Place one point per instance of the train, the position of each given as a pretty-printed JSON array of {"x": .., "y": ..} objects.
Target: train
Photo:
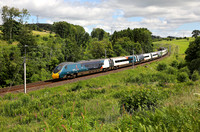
[{"x": 67, "y": 70}]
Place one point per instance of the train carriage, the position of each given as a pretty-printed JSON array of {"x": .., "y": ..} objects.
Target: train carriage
[
  {"x": 147, "y": 56},
  {"x": 154, "y": 55}
]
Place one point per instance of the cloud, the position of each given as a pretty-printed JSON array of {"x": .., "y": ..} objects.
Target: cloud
[
  {"x": 160, "y": 16},
  {"x": 60, "y": 9}
]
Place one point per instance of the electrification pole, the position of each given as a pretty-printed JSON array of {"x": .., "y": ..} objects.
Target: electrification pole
[
  {"x": 133, "y": 58},
  {"x": 25, "y": 70}
]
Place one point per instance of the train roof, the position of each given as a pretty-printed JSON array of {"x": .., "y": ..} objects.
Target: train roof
[
  {"x": 85, "y": 61},
  {"x": 64, "y": 63}
]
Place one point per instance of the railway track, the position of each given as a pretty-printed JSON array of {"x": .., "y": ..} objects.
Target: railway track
[{"x": 53, "y": 83}]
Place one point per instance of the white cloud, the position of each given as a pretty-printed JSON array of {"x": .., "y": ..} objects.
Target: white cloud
[{"x": 162, "y": 17}]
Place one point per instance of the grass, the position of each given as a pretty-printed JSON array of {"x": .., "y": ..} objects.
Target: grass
[
  {"x": 95, "y": 104},
  {"x": 46, "y": 34}
]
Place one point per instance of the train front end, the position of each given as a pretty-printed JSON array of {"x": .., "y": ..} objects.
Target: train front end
[{"x": 56, "y": 71}]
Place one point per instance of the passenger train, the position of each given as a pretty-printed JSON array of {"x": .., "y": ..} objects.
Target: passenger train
[{"x": 73, "y": 69}]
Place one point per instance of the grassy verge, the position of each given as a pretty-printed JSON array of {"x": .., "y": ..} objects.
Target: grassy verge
[{"x": 155, "y": 97}]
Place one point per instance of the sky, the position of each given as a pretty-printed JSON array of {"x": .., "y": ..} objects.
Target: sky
[{"x": 162, "y": 17}]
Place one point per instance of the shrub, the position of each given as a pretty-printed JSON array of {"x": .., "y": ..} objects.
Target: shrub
[
  {"x": 161, "y": 66},
  {"x": 119, "y": 94},
  {"x": 195, "y": 76},
  {"x": 163, "y": 79},
  {"x": 171, "y": 70},
  {"x": 143, "y": 78},
  {"x": 183, "y": 77},
  {"x": 144, "y": 98},
  {"x": 174, "y": 64},
  {"x": 181, "y": 64},
  {"x": 79, "y": 86},
  {"x": 37, "y": 35},
  {"x": 45, "y": 38},
  {"x": 25, "y": 99},
  {"x": 185, "y": 69}
]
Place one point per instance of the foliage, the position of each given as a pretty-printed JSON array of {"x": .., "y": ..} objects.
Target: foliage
[
  {"x": 161, "y": 66},
  {"x": 140, "y": 36},
  {"x": 183, "y": 77},
  {"x": 11, "y": 27},
  {"x": 124, "y": 46},
  {"x": 171, "y": 70},
  {"x": 185, "y": 69},
  {"x": 193, "y": 55},
  {"x": 195, "y": 33},
  {"x": 175, "y": 64},
  {"x": 195, "y": 76},
  {"x": 141, "y": 99},
  {"x": 98, "y": 48},
  {"x": 98, "y": 33},
  {"x": 11, "y": 63}
]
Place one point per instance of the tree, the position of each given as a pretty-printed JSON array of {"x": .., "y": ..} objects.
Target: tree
[
  {"x": 63, "y": 29},
  {"x": 97, "y": 49},
  {"x": 140, "y": 36},
  {"x": 195, "y": 33},
  {"x": 193, "y": 55},
  {"x": 98, "y": 33},
  {"x": 16, "y": 29},
  {"x": 12, "y": 27},
  {"x": 8, "y": 17},
  {"x": 24, "y": 14},
  {"x": 26, "y": 38},
  {"x": 71, "y": 51},
  {"x": 10, "y": 63}
]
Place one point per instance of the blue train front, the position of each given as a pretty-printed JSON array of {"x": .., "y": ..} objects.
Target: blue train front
[{"x": 64, "y": 69}]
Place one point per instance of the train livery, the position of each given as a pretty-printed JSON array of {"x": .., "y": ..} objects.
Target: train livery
[{"x": 74, "y": 69}]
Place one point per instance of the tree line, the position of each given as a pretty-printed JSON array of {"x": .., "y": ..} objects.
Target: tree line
[{"x": 70, "y": 43}]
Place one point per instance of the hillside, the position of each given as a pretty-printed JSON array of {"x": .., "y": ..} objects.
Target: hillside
[{"x": 155, "y": 97}]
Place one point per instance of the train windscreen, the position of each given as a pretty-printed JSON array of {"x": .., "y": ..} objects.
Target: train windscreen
[{"x": 58, "y": 68}]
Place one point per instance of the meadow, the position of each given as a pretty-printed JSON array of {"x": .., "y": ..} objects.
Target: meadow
[{"x": 161, "y": 96}]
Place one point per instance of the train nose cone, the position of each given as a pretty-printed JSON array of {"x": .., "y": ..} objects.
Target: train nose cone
[{"x": 55, "y": 75}]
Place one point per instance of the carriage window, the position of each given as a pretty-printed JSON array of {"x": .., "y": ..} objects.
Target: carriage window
[{"x": 65, "y": 67}]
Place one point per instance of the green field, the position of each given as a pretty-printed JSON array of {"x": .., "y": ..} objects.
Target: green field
[
  {"x": 182, "y": 44},
  {"x": 157, "y": 100}
]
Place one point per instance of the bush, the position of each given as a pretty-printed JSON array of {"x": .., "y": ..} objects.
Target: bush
[
  {"x": 171, "y": 70},
  {"x": 37, "y": 35},
  {"x": 183, "y": 77},
  {"x": 181, "y": 64},
  {"x": 185, "y": 69},
  {"x": 140, "y": 79},
  {"x": 144, "y": 98},
  {"x": 195, "y": 76},
  {"x": 161, "y": 66},
  {"x": 45, "y": 38},
  {"x": 163, "y": 79},
  {"x": 79, "y": 86},
  {"x": 174, "y": 64}
]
